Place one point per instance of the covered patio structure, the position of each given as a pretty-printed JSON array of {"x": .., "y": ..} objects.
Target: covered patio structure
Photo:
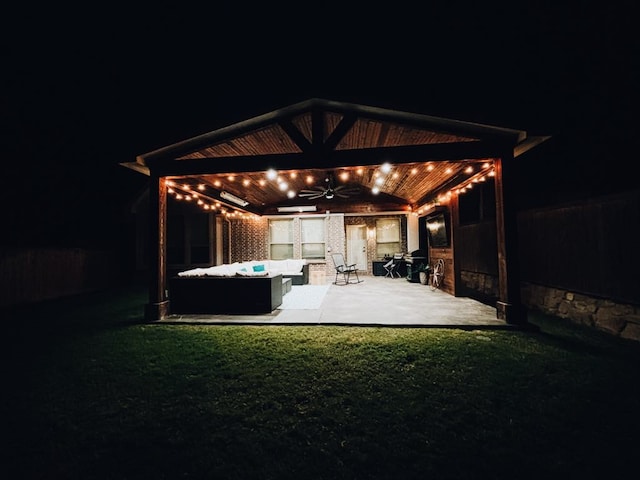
[{"x": 328, "y": 156}]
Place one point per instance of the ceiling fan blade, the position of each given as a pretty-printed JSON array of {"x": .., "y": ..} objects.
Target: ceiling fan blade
[{"x": 311, "y": 195}]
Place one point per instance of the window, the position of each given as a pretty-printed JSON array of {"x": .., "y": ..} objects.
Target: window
[
  {"x": 280, "y": 239},
  {"x": 312, "y": 238},
  {"x": 388, "y": 237}
]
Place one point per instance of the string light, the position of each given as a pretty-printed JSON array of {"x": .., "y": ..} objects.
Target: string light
[
  {"x": 478, "y": 178},
  {"x": 188, "y": 194}
]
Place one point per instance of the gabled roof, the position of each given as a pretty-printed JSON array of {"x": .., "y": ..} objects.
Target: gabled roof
[{"x": 320, "y": 135}]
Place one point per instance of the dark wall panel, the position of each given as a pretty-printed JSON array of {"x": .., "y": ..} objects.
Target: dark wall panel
[{"x": 478, "y": 248}]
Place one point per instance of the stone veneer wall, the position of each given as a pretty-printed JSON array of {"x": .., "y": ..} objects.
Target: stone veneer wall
[
  {"x": 336, "y": 241},
  {"x": 621, "y": 320},
  {"x": 618, "y": 319},
  {"x": 249, "y": 239},
  {"x": 481, "y": 282}
]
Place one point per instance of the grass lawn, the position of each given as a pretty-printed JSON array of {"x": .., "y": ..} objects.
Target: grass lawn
[{"x": 91, "y": 392}]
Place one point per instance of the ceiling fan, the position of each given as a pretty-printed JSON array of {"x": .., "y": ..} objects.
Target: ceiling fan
[{"x": 329, "y": 190}]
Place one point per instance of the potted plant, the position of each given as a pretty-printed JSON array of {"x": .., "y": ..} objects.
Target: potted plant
[{"x": 423, "y": 273}]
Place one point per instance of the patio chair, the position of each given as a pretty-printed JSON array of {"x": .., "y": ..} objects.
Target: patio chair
[
  {"x": 343, "y": 269},
  {"x": 393, "y": 265}
]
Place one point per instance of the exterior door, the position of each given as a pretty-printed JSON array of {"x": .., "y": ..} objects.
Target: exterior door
[{"x": 357, "y": 246}]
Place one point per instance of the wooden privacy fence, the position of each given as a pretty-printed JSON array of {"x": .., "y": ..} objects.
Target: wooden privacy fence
[
  {"x": 34, "y": 274},
  {"x": 590, "y": 247}
]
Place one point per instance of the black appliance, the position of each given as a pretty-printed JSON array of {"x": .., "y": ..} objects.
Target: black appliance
[{"x": 415, "y": 262}]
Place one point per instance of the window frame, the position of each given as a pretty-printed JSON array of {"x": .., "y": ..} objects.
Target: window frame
[
  {"x": 397, "y": 243},
  {"x": 290, "y": 244},
  {"x": 323, "y": 244}
]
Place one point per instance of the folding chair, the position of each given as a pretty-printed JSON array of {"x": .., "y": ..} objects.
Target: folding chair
[
  {"x": 343, "y": 269},
  {"x": 389, "y": 267},
  {"x": 393, "y": 265}
]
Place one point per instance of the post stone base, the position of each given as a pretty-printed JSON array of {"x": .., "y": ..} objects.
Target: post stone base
[
  {"x": 156, "y": 311},
  {"x": 512, "y": 314}
]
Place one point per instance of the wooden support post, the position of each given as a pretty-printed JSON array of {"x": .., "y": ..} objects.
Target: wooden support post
[
  {"x": 158, "y": 306},
  {"x": 454, "y": 209},
  {"x": 509, "y": 305}
]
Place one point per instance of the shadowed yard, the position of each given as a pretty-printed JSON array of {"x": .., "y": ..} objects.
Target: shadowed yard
[{"x": 94, "y": 394}]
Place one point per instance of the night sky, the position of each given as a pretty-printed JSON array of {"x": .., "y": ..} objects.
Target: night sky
[{"x": 83, "y": 90}]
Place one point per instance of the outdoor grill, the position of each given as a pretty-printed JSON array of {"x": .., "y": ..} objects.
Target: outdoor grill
[{"x": 415, "y": 261}]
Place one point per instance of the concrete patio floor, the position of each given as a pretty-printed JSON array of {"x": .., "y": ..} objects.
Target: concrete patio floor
[{"x": 376, "y": 301}]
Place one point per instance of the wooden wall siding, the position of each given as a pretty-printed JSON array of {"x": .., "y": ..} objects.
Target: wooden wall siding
[
  {"x": 449, "y": 280},
  {"x": 590, "y": 248},
  {"x": 477, "y": 250},
  {"x": 477, "y": 257},
  {"x": 36, "y": 274}
]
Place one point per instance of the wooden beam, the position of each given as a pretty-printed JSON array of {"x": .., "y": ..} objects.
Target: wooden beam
[
  {"x": 328, "y": 159},
  {"x": 296, "y": 135},
  {"x": 340, "y": 131}
]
